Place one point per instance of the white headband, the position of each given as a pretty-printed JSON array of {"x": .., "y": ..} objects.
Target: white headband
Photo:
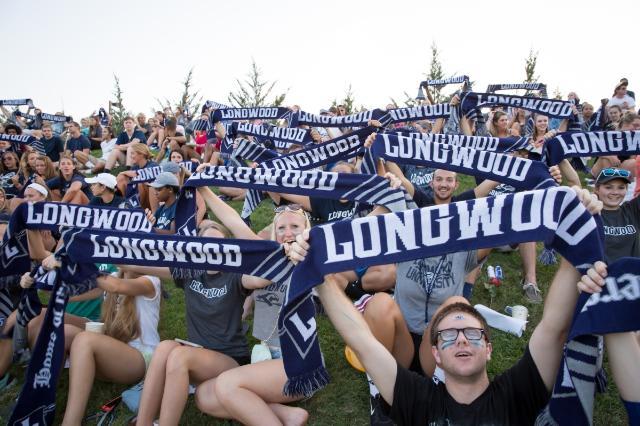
[{"x": 41, "y": 189}]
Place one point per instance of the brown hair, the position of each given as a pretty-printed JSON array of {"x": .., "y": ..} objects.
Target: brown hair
[
  {"x": 50, "y": 170},
  {"x": 25, "y": 168},
  {"x": 129, "y": 118},
  {"x": 120, "y": 317},
  {"x": 213, "y": 225},
  {"x": 456, "y": 307}
]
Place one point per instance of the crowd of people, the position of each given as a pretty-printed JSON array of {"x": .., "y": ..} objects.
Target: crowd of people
[{"x": 410, "y": 324}]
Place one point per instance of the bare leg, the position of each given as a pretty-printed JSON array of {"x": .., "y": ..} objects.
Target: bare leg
[
  {"x": 246, "y": 393},
  {"x": 427, "y": 361},
  {"x": 186, "y": 364},
  {"x": 96, "y": 354},
  {"x": 528, "y": 254},
  {"x": 6, "y": 355},
  {"x": 387, "y": 324},
  {"x": 154, "y": 383},
  {"x": 236, "y": 194},
  {"x": 624, "y": 353}
]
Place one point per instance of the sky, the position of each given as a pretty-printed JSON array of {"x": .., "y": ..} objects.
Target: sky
[{"x": 64, "y": 54}]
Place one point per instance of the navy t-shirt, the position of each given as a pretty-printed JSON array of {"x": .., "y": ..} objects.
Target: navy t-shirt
[
  {"x": 53, "y": 147},
  {"x": 123, "y": 138},
  {"x": 78, "y": 144},
  {"x": 63, "y": 185},
  {"x": 97, "y": 201},
  {"x": 326, "y": 210},
  {"x": 165, "y": 215}
]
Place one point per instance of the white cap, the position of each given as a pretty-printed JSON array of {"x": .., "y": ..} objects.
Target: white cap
[
  {"x": 105, "y": 179},
  {"x": 41, "y": 189}
]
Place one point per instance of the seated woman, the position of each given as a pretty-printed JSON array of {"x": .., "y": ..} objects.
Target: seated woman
[
  {"x": 69, "y": 186},
  {"x": 214, "y": 305},
  {"x": 9, "y": 167},
  {"x": 252, "y": 394},
  {"x": 130, "y": 314}
]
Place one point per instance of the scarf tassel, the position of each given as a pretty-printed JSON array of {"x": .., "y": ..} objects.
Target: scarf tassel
[
  {"x": 548, "y": 257},
  {"x": 308, "y": 383}
]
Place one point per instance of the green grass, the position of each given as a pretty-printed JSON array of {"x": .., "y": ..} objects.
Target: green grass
[{"x": 345, "y": 399}]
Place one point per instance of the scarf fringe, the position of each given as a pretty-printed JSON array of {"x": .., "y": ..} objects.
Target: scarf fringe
[
  {"x": 307, "y": 384},
  {"x": 548, "y": 257}
]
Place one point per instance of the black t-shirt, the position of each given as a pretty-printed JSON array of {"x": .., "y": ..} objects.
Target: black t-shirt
[
  {"x": 326, "y": 210},
  {"x": 621, "y": 230},
  {"x": 513, "y": 398},
  {"x": 423, "y": 199},
  {"x": 53, "y": 147}
]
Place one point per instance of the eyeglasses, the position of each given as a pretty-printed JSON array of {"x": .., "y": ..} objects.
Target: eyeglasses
[
  {"x": 288, "y": 207},
  {"x": 615, "y": 172},
  {"x": 451, "y": 334}
]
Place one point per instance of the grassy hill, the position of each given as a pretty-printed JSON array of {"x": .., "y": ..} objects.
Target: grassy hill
[{"x": 345, "y": 400}]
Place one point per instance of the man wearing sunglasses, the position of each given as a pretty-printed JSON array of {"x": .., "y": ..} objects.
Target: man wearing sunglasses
[
  {"x": 621, "y": 219},
  {"x": 461, "y": 345}
]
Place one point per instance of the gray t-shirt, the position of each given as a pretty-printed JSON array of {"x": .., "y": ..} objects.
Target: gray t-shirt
[
  {"x": 268, "y": 303},
  {"x": 214, "y": 312},
  {"x": 443, "y": 275}
]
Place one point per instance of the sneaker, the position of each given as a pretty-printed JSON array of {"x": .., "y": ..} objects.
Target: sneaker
[
  {"x": 531, "y": 292},
  {"x": 89, "y": 165}
]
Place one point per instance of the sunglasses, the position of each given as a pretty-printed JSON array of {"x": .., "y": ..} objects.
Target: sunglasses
[
  {"x": 615, "y": 172},
  {"x": 288, "y": 207},
  {"x": 451, "y": 334}
]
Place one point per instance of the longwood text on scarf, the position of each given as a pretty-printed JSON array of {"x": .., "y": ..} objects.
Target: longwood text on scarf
[
  {"x": 521, "y": 173},
  {"x": 592, "y": 144},
  {"x": 470, "y": 102}
]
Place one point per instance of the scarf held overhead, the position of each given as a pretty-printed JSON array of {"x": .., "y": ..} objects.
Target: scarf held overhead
[
  {"x": 521, "y": 173},
  {"x": 554, "y": 215},
  {"x": 592, "y": 144},
  {"x": 471, "y": 102}
]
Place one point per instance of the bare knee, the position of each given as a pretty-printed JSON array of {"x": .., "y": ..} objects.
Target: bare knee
[
  {"x": 178, "y": 360},
  {"x": 83, "y": 342},
  {"x": 382, "y": 307},
  {"x": 206, "y": 398}
]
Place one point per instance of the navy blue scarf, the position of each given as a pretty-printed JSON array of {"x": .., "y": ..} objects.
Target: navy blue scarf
[
  {"x": 359, "y": 119},
  {"x": 291, "y": 135},
  {"x": 36, "y": 402},
  {"x": 572, "y": 400},
  {"x": 417, "y": 113},
  {"x": 256, "y": 113},
  {"x": 16, "y": 102},
  {"x": 565, "y": 225},
  {"x": 592, "y": 144},
  {"x": 258, "y": 258},
  {"x": 17, "y": 140},
  {"x": 519, "y": 86},
  {"x": 46, "y": 117},
  {"x": 481, "y": 143},
  {"x": 441, "y": 83},
  {"x": 471, "y": 102},
  {"x": 148, "y": 174},
  {"x": 521, "y": 173}
]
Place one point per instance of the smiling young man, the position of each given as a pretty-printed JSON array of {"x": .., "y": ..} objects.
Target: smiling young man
[{"x": 461, "y": 346}]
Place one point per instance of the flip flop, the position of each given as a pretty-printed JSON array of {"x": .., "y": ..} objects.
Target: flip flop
[{"x": 353, "y": 359}]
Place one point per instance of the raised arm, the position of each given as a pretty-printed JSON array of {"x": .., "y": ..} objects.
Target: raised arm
[
  {"x": 302, "y": 200},
  {"x": 227, "y": 215},
  {"x": 550, "y": 335},
  {"x": 141, "y": 286}
]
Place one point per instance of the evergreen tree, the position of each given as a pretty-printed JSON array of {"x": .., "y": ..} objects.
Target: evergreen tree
[{"x": 254, "y": 91}]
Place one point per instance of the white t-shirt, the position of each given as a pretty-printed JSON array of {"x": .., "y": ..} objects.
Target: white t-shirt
[
  {"x": 148, "y": 315},
  {"x": 631, "y": 103}
]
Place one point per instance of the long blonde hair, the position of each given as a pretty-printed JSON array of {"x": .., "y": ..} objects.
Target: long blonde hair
[{"x": 120, "y": 317}]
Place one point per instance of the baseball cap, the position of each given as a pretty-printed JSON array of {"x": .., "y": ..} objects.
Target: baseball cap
[
  {"x": 165, "y": 179},
  {"x": 610, "y": 174},
  {"x": 171, "y": 167},
  {"x": 105, "y": 179}
]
